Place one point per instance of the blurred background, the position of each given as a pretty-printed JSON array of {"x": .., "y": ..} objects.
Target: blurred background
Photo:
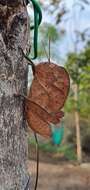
[{"x": 66, "y": 166}]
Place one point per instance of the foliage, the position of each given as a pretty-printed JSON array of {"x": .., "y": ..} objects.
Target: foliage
[
  {"x": 46, "y": 32},
  {"x": 67, "y": 150},
  {"x": 78, "y": 66},
  {"x": 49, "y": 31}
]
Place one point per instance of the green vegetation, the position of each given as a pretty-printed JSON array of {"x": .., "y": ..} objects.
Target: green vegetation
[
  {"x": 78, "y": 66},
  {"x": 67, "y": 150}
]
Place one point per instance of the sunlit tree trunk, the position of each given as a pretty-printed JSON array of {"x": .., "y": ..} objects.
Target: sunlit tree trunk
[
  {"x": 77, "y": 123},
  {"x": 13, "y": 79}
]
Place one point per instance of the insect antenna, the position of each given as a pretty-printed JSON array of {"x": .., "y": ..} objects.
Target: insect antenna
[
  {"x": 48, "y": 55},
  {"x": 49, "y": 49},
  {"x": 45, "y": 51}
]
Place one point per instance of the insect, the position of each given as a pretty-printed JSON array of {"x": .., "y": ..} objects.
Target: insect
[{"x": 46, "y": 97}]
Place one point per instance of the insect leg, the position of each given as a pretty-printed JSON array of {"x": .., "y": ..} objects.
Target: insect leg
[{"x": 30, "y": 62}]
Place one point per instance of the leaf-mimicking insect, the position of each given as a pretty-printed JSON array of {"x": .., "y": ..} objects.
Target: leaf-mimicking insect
[{"x": 46, "y": 97}]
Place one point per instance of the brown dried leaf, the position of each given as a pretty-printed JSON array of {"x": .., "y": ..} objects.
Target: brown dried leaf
[{"x": 47, "y": 96}]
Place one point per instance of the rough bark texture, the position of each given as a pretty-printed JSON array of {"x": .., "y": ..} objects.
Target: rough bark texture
[{"x": 13, "y": 78}]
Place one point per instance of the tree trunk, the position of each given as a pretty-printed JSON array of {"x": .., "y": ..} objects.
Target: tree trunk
[
  {"x": 77, "y": 123},
  {"x": 13, "y": 79}
]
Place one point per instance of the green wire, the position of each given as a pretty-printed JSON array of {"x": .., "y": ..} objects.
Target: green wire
[
  {"x": 37, "y": 21},
  {"x": 35, "y": 33},
  {"x": 38, "y": 9}
]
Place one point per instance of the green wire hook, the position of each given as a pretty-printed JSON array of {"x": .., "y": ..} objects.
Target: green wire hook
[
  {"x": 37, "y": 9},
  {"x": 37, "y": 22}
]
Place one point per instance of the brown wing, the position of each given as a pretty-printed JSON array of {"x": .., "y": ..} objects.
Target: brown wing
[
  {"x": 50, "y": 86},
  {"x": 48, "y": 93},
  {"x": 39, "y": 119}
]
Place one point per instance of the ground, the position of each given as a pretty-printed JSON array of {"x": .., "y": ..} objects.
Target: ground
[{"x": 60, "y": 175}]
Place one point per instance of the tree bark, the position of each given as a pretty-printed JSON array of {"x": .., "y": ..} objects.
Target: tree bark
[{"x": 13, "y": 79}]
